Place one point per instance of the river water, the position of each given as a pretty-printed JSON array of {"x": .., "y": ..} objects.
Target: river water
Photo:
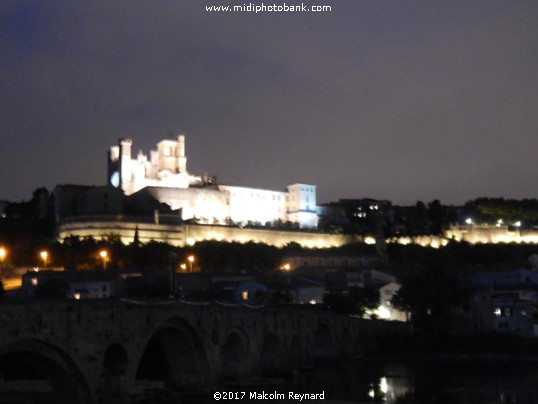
[
  {"x": 439, "y": 381},
  {"x": 434, "y": 381}
]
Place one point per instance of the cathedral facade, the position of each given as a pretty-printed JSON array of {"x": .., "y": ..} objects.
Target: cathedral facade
[{"x": 163, "y": 173}]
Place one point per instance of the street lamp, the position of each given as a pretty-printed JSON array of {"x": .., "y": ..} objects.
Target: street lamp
[
  {"x": 190, "y": 258},
  {"x": 103, "y": 254},
  {"x": 3, "y": 254},
  {"x": 44, "y": 256}
]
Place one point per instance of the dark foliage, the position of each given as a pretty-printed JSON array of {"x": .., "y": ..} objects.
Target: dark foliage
[
  {"x": 489, "y": 210},
  {"x": 356, "y": 301}
]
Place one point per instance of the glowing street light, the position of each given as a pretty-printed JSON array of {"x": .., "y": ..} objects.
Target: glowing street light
[
  {"x": 190, "y": 258},
  {"x": 183, "y": 267},
  {"x": 104, "y": 255},
  {"x": 518, "y": 223},
  {"x": 44, "y": 256},
  {"x": 469, "y": 221},
  {"x": 3, "y": 253}
]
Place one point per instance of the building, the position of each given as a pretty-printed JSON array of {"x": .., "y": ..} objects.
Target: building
[
  {"x": 505, "y": 302},
  {"x": 95, "y": 284},
  {"x": 305, "y": 290},
  {"x": 365, "y": 208},
  {"x": 386, "y": 310},
  {"x": 85, "y": 200},
  {"x": 224, "y": 288},
  {"x": 341, "y": 272},
  {"x": 164, "y": 175},
  {"x": 87, "y": 284}
]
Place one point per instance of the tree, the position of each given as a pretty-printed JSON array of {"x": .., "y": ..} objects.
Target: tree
[
  {"x": 436, "y": 215},
  {"x": 356, "y": 301},
  {"x": 401, "y": 302},
  {"x": 430, "y": 290},
  {"x": 490, "y": 210}
]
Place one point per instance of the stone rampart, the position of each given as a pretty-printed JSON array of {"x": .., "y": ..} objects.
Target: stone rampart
[{"x": 181, "y": 235}]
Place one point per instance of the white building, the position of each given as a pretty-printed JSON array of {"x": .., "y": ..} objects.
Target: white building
[
  {"x": 386, "y": 310},
  {"x": 164, "y": 174}
]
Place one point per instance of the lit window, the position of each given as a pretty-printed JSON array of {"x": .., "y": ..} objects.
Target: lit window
[
  {"x": 244, "y": 295},
  {"x": 497, "y": 311},
  {"x": 34, "y": 282},
  {"x": 76, "y": 296}
]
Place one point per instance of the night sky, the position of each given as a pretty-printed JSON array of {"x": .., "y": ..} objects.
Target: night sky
[{"x": 399, "y": 100}]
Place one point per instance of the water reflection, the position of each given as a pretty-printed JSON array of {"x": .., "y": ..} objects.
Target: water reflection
[
  {"x": 389, "y": 389},
  {"x": 450, "y": 382},
  {"x": 424, "y": 382}
]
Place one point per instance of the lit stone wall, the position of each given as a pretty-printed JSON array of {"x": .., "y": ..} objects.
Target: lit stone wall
[
  {"x": 171, "y": 234},
  {"x": 271, "y": 237},
  {"x": 181, "y": 235},
  {"x": 424, "y": 241},
  {"x": 473, "y": 235},
  {"x": 492, "y": 234}
]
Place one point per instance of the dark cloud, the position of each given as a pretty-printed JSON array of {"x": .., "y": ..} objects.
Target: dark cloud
[{"x": 399, "y": 100}]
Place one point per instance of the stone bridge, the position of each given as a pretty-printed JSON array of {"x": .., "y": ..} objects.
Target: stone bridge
[{"x": 99, "y": 351}]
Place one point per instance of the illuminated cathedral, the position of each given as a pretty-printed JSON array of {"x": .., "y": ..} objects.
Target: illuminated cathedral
[{"x": 164, "y": 175}]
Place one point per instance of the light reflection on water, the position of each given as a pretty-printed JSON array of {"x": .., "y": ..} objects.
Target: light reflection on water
[
  {"x": 449, "y": 382},
  {"x": 444, "y": 382}
]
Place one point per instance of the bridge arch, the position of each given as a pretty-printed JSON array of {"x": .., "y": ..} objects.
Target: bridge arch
[
  {"x": 364, "y": 341},
  {"x": 270, "y": 355},
  {"x": 175, "y": 356},
  {"x": 116, "y": 360},
  {"x": 346, "y": 343},
  {"x": 295, "y": 357},
  {"x": 322, "y": 346},
  {"x": 234, "y": 356},
  {"x": 32, "y": 361}
]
